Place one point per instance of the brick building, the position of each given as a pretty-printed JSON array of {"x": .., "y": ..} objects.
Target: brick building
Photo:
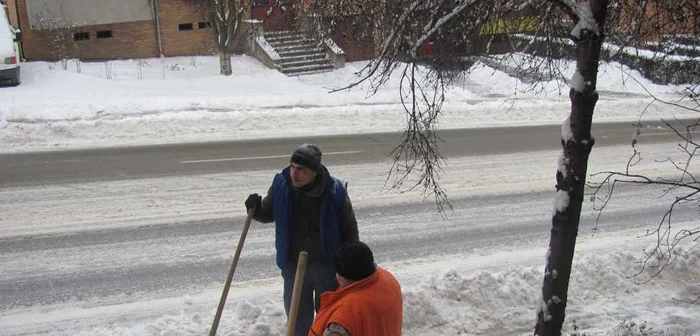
[
  {"x": 104, "y": 29},
  {"x": 289, "y": 15},
  {"x": 660, "y": 19},
  {"x": 107, "y": 29}
]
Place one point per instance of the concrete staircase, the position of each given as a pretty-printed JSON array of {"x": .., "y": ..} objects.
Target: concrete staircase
[{"x": 300, "y": 53}]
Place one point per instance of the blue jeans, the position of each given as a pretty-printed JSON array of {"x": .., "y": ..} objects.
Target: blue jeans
[{"x": 318, "y": 279}]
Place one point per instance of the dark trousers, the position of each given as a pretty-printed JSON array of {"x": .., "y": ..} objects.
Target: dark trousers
[{"x": 318, "y": 279}]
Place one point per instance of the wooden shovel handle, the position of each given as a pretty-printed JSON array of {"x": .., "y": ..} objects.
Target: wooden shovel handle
[
  {"x": 236, "y": 256},
  {"x": 296, "y": 293}
]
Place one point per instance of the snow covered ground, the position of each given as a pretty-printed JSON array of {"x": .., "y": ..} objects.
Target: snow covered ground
[
  {"x": 176, "y": 101},
  {"x": 489, "y": 291}
]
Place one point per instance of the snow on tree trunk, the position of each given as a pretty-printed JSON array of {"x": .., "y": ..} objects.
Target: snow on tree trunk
[
  {"x": 225, "y": 16},
  {"x": 571, "y": 175}
]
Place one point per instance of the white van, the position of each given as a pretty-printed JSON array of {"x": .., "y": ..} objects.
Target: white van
[{"x": 9, "y": 51}]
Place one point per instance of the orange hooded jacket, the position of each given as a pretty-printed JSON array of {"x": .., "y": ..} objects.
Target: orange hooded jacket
[{"x": 370, "y": 307}]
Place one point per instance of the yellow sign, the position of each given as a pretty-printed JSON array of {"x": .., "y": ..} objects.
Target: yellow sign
[{"x": 512, "y": 25}]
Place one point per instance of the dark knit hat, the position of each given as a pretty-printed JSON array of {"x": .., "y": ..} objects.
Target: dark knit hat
[
  {"x": 309, "y": 156},
  {"x": 354, "y": 261}
]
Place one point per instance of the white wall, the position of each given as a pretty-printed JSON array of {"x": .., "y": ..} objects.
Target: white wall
[{"x": 89, "y": 12}]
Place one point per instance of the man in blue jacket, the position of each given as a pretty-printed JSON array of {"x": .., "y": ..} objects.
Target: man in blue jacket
[{"x": 312, "y": 212}]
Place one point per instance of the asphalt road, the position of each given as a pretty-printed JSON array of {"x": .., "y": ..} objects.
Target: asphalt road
[{"x": 202, "y": 158}]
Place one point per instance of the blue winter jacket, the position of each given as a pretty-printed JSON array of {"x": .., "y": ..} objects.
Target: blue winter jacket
[{"x": 332, "y": 199}]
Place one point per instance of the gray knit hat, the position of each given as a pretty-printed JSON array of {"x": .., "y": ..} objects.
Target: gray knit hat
[{"x": 309, "y": 156}]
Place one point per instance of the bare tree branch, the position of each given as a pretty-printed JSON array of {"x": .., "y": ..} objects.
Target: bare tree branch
[{"x": 683, "y": 182}]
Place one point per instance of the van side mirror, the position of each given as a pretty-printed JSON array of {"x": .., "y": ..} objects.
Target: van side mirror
[{"x": 18, "y": 35}]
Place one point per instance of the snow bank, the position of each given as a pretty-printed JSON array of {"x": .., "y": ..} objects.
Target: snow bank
[{"x": 498, "y": 302}]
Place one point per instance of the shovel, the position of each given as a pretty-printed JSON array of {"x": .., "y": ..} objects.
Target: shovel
[
  {"x": 222, "y": 302},
  {"x": 296, "y": 293}
]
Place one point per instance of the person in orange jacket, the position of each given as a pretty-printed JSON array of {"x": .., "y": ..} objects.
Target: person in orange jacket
[{"x": 368, "y": 300}]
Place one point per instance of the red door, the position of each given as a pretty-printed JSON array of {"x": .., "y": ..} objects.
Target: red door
[{"x": 282, "y": 16}]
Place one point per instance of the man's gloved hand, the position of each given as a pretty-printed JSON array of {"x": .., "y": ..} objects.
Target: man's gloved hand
[{"x": 253, "y": 201}]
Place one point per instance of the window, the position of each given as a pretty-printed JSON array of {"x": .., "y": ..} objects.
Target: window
[
  {"x": 260, "y": 2},
  {"x": 104, "y": 33},
  {"x": 81, "y": 36},
  {"x": 203, "y": 25},
  {"x": 184, "y": 26}
]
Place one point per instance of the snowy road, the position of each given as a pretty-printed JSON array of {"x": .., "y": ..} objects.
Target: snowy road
[
  {"x": 158, "y": 261},
  {"x": 101, "y": 244}
]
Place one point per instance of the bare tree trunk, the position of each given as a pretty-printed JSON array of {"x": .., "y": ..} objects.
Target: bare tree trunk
[
  {"x": 225, "y": 17},
  {"x": 225, "y": 62},
  {"x": 571, "y": 177}
]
